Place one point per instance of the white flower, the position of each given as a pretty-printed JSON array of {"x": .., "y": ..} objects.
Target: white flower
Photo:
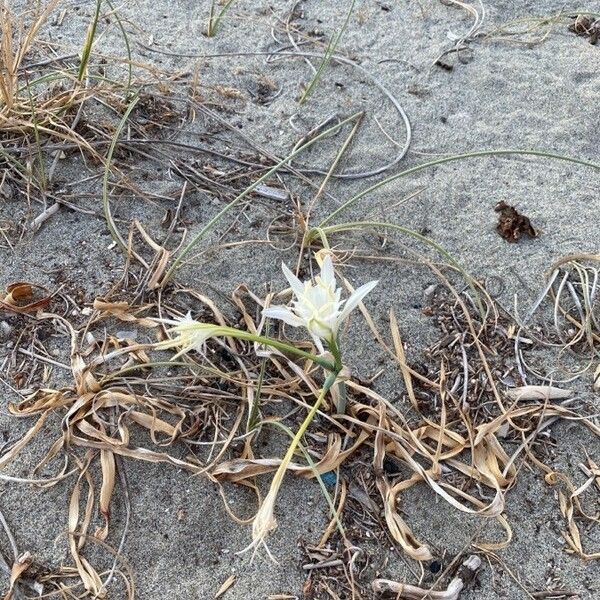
[
  {"x": 189, "y": 334},
  {"x": 317, "y": 306}
]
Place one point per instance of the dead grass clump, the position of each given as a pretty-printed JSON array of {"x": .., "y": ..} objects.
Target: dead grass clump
[
  {"x": 63, "y": 106},
  {"x": 15, "y": 42},
  {"x": 565, "y": 319}
]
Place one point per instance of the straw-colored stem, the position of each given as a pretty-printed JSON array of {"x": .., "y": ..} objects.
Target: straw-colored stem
[
  {"x": 264, "y": 521},
  {"x": 307, "y": 421}
]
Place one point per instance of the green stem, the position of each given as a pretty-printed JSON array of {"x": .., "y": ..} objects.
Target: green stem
[
  {"x": 327, "y": 57},
  {"x": 105, "y": 197},
  {"x": 254, "y": 411},
  {"x": 323, "y": 231},
  {"x": 89, "y": 41},
  {"x": 34, "y": 120},
  {"x": 281, "y": 346},
  {"x": 304, "y": 426},
  {"x": 214, "y": 17},
  {"x": 127, "y": 46},
  {"x": 313, "y": 466},
  {"x": 333, "y": 347},
  {"x": 340, "y": 397}
]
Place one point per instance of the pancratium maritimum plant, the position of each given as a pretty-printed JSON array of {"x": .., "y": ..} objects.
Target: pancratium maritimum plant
[{"x": 318, "y": 307}]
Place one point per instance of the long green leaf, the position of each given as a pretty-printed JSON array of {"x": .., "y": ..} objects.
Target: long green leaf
[
  {"x": 105, "y": 199},
  {"x": 448, "y": 159}
]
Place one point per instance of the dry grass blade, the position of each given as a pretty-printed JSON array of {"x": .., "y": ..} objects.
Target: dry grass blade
[
  {"x": 89, "y": 576},
  {"x": 570, "y": 508},
  {"x": 228, "y": 583},
  {"x": 401, "y": 357},
  {"x": 20, "y": 565},
  {"x": 14, "y": 45},
  {"x": 107, "y": 462},
  {"x": 241, "y": 469},
  {"x": 208, "y": 226}
]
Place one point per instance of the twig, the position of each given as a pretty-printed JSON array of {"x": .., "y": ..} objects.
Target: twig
[
  {"x": 44, "y": 216},
  {"x": 400, "y": 591}
]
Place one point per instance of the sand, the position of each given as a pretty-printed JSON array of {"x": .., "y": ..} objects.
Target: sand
[{"x": 507, "y": 95}]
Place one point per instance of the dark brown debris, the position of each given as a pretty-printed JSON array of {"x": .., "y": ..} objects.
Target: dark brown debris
[
  {"x": 512, "y": 224},
  {"x": 444, "y": 65},
  {"x": 586, "y": 26}
]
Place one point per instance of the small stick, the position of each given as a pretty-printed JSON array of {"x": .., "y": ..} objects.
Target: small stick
[
  {"x": 554, "y": 594},
  {"x": 323, "y": 564},
  {"x": 44, "y": 216},
  {"x": 399, "y": 591},
  {"x": 9, "y": 535},
  {"x": 44, "y": 359}
]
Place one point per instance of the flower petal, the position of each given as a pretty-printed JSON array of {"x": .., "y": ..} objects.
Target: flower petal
[
  {"x": 296, "y": 285},
  {"x": 318, "y": 344},
  {"x": 190, "y": 335},
  {"x": 176, "y": 320},
  {"x": 355, "y": 299},
  {"x": 327, "y": 272},
  {"x": 284, "y": 314}
]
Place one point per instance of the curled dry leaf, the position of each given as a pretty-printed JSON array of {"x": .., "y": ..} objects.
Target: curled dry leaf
[
  {"x": 396, "y": 525},
  {"x": 21, "y": 564},
  {"x": 107, "y": 461},
  {"x": 161, "y": 258},
  {"x": 247, "y": 468},
  {"x": 24, "y": 298},
  {"x": 124, "y": 312},
  {"x": 572, "y": 510}
]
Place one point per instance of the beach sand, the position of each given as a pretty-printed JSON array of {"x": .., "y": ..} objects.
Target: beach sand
[{"x": 502, "y": 93}]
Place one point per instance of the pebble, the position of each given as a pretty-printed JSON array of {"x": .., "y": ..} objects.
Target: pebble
[
  {"x": 5, "y": 330},
  {"x": 126, "y": 334}
]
